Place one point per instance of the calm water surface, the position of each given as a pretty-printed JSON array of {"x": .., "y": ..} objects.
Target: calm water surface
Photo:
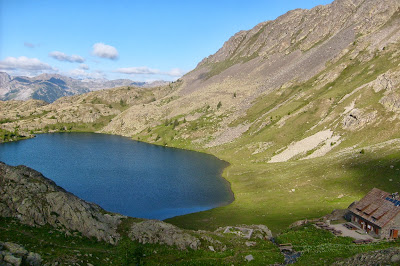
[{"x": 125, "y": 176}]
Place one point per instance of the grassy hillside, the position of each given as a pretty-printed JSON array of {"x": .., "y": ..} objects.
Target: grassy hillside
[{"x": 281, "y": 193}]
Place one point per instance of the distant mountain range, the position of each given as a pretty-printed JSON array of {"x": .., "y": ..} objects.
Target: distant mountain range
[{"x": 50, "y": 87}]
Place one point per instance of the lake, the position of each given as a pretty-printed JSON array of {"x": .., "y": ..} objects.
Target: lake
[{"x": 125, "y": 176}]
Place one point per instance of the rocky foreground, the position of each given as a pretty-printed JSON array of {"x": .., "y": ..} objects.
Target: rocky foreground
[{"x": 35, "y": 200}]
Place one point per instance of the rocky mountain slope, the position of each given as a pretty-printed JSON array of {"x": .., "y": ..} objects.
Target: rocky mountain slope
[
  {"x": 290, "y": 104},
  {"x": 86, "y": 112},
  {"x": 284, "y": 68},
  {"x": 50, "y": 87}
]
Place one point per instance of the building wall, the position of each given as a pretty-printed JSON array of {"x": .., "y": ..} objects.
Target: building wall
[
  {"x": 375, "y": 231},
  {"x": 394, "y": 224},
  {"x": 372, "y": 229}
]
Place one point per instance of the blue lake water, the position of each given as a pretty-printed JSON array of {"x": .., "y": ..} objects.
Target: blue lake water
[{"x": 125, "y": 176}]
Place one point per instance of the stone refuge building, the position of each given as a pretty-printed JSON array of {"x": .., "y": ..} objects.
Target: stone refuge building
[{"x": 378, "y": 213}]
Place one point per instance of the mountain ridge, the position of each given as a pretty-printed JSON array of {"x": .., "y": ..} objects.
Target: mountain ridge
[{"x": 50, "y": 87}]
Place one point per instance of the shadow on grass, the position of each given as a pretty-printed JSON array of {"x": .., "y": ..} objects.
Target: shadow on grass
[{"x": 368, "y": 170}]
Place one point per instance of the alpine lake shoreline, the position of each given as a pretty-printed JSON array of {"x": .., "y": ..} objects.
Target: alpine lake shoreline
[{"x": 317, "y": 246}]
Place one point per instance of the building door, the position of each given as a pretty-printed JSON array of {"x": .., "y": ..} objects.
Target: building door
[{"x": 394, "y": 233}]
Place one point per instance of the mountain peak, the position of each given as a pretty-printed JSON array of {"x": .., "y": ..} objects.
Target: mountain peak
[{"x": 322, "y": 33}]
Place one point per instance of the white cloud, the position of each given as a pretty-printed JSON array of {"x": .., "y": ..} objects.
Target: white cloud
[
  {"x": 175, "y": 72},
  {"x": 81, "y": 73},
  {"x": 60, "y": 56},
  {"x": 105, "y": 51},
  {"x": 24, "y": 63},
  {"x": 138, "y": 70},
  {"x": 84, "y": 66}
]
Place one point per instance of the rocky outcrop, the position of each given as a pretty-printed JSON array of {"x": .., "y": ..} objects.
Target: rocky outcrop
[
  {"x": 388, "y": 83},
  {"x": 14, "y": 254},
  {"x": 158, "y": 232},
  {"x": 153, "y": 231},
  {"x": 255, "y": 231},
  {"x": 35, "y": 200},
  {"x": 390, "y": 256},
  {"x": 357, "y": 119}
]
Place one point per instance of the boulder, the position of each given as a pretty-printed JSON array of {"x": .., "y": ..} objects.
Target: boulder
[
  {"x": 15, "y": 249},
  {"x": 33, "y": 259},
  {"x": 12, "y": 260},
  {"x": 154, "y": 231},
  {"x": 395, "y": 258},
  {"x": 249, "y": 258}
]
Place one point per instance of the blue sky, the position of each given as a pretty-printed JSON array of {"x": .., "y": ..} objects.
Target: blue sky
[{"x": 139, "y": 40}]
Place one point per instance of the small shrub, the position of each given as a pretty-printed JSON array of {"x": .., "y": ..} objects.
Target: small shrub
[
  {"x": 175, "y": 124},
  {"x": 122, "y": 103},
  {"x": 219, "y": 105}
]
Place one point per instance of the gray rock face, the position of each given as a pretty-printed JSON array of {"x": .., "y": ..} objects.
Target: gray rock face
[
  {"x": 379, "y": 257},
  {"x": 153, "y": 231},
  {"x": 295, "y": 46},
  {"x": 35, "y": 200},
  {"x": 258, "y": 231},
  {"x": 14, "y": 254},
  {"x": 12, "y": 260},
  {"x": 33, "y": 259},
  {"x": 395, "y": 258},
  {"x": 304, "y": 28},
  {"x": 15, "y": 248},
  {"x": 357, "y": 119}
]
